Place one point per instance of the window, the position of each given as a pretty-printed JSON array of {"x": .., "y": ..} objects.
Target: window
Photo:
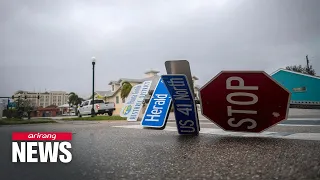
[
  {"x": 85, "y": 103},
  {"x": 97, "y": 101},
  {"x": 300, "y": 89},
  {"x": 123, "y": 100},
  {"x": 117, "y": 99},
  {"x": 113, "y": 87}
]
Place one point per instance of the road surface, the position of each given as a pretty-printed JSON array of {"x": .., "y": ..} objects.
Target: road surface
[{"x": 123, "y": 150}]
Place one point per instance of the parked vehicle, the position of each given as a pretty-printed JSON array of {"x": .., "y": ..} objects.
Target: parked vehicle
[{"x": 100, "y": 107}]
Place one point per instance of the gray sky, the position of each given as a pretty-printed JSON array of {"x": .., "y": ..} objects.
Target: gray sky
[{"x": 49, "y": 44}]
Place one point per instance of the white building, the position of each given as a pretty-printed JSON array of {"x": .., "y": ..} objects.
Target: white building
[{"x": 56, "y": 98}]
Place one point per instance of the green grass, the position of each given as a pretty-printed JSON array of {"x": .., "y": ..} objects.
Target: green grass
[
  {"x": 96, "y": 118},
  {"x": 25, "y": 121}
]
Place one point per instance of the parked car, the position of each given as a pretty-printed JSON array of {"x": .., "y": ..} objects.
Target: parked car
[{"x": 100, "y": 107}]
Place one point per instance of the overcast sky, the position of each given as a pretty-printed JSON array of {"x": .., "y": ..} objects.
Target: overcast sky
[{"x": 49, "y": 44}]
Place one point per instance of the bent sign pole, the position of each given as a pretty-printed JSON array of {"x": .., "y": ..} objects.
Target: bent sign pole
[
  {"x": 158, "y": 109},
  {"x": 183, "y": 102}
]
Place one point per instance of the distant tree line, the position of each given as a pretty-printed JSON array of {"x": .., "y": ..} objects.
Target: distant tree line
[{"x": 308, "y": 69}]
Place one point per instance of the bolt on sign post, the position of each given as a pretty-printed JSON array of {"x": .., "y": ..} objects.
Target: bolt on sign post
[
  {"x": 158, "y": 109},
  {"x": 183, "y": 101},
  {"x": 244, "y": 101}
]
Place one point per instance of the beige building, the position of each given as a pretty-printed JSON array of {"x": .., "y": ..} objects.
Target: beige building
[
  {"x": 56, "y": 98},
  {"x": 114, "y": 95}
]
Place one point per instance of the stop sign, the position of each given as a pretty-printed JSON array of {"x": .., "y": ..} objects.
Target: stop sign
[{"x": 244, "y": 101}]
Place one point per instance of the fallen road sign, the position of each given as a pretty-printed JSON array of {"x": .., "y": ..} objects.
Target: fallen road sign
[
  {"x": 134, "y": 115},
  {"x": 158, "y": 109},
  {"x": 183, "y": 102},
  {"x": 244, "y": 101},
  {"x": 130, "y": 101},
  {"x": 181, "y": 67}
]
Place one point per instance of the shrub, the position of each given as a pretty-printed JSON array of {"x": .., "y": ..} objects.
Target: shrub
[{"x": 10, "y": 113}]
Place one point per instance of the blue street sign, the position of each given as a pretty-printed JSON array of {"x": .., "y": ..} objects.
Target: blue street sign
[
  {"x": 158, "y": 109},
  {"x": 12, "y": 104},
  {"x": 184, "y": 106}
]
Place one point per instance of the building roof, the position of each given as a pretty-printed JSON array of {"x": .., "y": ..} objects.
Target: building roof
[
  {"x": 113, "y": 82},
  {"x": 197, "y": 87},
  {"x": 105, "y": 93},
  {"x": 281, "y": 69},
  {"x": 46, "y": 92},
  {"x": 125, "y": 79},
  {"x": 195, "y": 78},
  {"x": 152, "y": 71}
]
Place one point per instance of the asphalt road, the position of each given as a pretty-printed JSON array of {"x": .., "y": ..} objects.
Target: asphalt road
[{"x": 122, "y": 150}]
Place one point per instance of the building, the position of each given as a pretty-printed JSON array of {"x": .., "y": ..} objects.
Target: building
[
  {"x": 46, "y": 99},
  {"x": 305, "y": 89},
  {"x": 114, "y": 95},
  {"x": 50, "y": 111}
]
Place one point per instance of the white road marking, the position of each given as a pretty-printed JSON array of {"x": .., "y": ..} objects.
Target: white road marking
[
  {"x": 298, "y": 125},
  {"x": 289, "y": 119},
  {"x": 215, "y": 131},
  {"x": 310, "y": 119}
]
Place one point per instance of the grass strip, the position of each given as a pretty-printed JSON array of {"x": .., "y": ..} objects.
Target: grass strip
[
  {"x": 96, "y": 118},
  {"x": 25, "y": 121}
]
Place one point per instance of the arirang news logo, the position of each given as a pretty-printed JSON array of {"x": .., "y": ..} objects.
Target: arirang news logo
[{"x": 41, "y": 147}]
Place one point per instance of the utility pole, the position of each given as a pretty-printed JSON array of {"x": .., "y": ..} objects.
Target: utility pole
[{"x": 308, "y": 68}]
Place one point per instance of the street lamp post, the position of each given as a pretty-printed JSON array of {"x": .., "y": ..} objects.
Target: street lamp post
[{"x": 93, "y": 64}]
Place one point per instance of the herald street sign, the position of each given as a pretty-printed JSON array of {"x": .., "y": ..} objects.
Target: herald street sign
[
  {"x": 158, "y": 109},
  {"x": 244, "y": 101},
  {"x": 183, "y": 102}
]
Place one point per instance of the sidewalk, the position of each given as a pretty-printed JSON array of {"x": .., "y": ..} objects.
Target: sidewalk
[
  {"x": 293, "y": 113},
  {"x": 304, "y": 113}
]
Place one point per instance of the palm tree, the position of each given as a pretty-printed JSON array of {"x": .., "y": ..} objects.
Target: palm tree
[
  {"x": 125, "y": 89},
  {"x": 73, "y": 98}
]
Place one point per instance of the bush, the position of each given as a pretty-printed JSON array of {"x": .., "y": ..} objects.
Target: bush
[{"x": 10, "y": 113}]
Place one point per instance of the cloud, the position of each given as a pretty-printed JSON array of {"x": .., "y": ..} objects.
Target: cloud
[{"x": 50, "y": 45}]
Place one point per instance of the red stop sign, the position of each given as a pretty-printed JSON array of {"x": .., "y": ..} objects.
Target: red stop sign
[{"x": 244, "y": 101}]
